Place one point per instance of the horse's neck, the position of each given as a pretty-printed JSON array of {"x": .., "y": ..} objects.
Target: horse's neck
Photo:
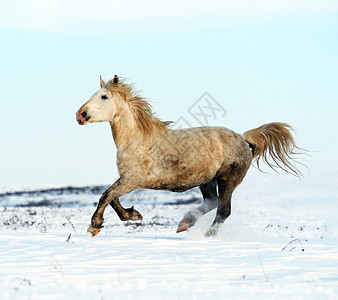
[
  {"x": 123, "y": 128},
  {"x": 127, "y": 135}
]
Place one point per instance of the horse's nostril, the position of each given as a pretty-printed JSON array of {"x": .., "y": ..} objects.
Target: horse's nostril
[{"x": 84, "y": 114}]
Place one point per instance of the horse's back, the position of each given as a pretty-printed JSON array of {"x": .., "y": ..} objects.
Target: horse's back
[
  {"x": 210, "y": 148},
  {"x": 216, "y": 142}
]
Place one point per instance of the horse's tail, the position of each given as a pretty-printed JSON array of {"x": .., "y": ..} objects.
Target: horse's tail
[{"x": 274, "y": 141}]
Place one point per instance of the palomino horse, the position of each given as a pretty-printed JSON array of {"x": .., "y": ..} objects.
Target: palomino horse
[{"x": 152, "y": 156}]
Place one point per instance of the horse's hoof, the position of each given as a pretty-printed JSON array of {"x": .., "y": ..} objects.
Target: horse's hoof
[
  {"x": 95, "y": 233},
  {"x": 138, "y": 216},
  {"x": 182, "y": 227},
  {"x": 134, "y": 214},
  {"x": 211, "y": 232}
]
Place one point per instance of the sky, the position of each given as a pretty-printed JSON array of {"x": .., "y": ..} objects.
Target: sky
[{"x": 261, "y": 61}]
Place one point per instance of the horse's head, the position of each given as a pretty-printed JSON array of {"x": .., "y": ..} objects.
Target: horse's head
[{"x": 101, "y": 106}]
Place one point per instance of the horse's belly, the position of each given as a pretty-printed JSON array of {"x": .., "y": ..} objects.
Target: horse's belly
[{"x": 181, "y": 175}]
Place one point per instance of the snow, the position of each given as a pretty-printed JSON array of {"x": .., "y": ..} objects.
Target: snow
[{"x": 280, "y": 242}]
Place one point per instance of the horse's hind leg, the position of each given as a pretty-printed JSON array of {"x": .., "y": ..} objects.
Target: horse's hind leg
[
  {"x": 209, "y": 192},
  {"x": 224, "y": 206},
  {"x": 230, "y": 176}
]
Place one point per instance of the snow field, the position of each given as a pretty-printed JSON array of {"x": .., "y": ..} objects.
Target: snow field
[{"x": 279, "y": 243}]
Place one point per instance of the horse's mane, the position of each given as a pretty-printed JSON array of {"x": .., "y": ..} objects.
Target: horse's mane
[{"x": 141, "y": 109}]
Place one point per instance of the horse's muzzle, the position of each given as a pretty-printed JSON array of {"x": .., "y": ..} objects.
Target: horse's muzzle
[{"x": 82, "y": 117}]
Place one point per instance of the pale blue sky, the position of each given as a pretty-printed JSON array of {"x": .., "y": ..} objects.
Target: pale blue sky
[{"x": 263, "y": 61}]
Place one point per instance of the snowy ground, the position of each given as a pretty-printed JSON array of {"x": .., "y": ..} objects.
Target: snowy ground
[{"x": 280, "y": 242}]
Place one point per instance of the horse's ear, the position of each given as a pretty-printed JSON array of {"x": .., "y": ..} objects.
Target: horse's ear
[
  {"x": 102, "y": 83},
  {"x": 116, "y": 80}
]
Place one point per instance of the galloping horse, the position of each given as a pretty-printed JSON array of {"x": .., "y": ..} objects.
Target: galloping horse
[{"x": 150, "y": 155}]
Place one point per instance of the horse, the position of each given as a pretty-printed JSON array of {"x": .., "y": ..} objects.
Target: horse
[{"x": 152, "y": 155}]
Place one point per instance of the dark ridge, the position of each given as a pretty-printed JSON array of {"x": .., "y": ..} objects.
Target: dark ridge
[
  {"x": 192, "y": 200},
  {"x": 49, "y": 203},
  {"x": 68, "y": 190}
]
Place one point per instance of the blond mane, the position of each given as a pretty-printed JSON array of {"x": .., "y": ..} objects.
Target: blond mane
[{"x": 141, "y": 109}]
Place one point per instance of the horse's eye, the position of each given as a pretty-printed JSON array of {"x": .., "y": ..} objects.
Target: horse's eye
[{"x": 104, "y": 97}]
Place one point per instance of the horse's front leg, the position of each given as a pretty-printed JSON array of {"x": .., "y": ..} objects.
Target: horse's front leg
[
  {"x": 125, "y": 214},
  {"x": 119, "y": 188}
]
